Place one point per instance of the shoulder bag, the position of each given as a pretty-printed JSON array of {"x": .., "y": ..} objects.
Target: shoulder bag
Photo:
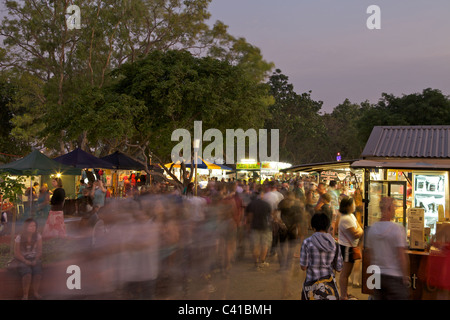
[
  {"x": 356, "y": 251},
  {"x": 324, "y": 288},
  {"x": 13, "y": 264}
]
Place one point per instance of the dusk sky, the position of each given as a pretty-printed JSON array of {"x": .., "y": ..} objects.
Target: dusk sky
[{"x": 325, "y": 46}]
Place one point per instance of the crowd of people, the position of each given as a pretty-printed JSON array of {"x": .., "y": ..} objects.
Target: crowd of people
[
  {"x": 160, "y": 240},
  {"x": 208, "y": 232}
]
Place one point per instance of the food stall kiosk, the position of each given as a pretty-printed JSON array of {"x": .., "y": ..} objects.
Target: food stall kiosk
[
  {"x": 339, "y": 171},
  {"x": 412, "y": 165}
]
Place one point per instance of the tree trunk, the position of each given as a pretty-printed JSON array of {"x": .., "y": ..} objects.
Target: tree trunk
[{"x": 82, "y": 140}]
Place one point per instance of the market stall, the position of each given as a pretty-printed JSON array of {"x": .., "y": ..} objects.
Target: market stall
[
  {"x": 205, "y": 170},
  {"x": 124, "y": 166},
  {"x": 88, "y": 163},
  {"x": 339, "y": 171},
  {"x": 410, "y": 164},
  {"x": 36, "y": 164},
  {"x": 251, "y": 169},
  {"x": 37, "y": 167}
]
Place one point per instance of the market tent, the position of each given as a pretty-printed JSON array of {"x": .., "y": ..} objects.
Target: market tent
[
  {"x": 121, "y": 161},
  {"x": 36, "y": 163},
  {"x": 81, "y": 159},
  {"x": 202, "y": 164},
  {"x": 223, "y": 167}
]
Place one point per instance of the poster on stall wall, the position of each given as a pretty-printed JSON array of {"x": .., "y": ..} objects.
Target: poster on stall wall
[
  {"x": 108, "y": 180},
  {"x": 417, "y": 239},
  {"x": 416, "y": 218}
]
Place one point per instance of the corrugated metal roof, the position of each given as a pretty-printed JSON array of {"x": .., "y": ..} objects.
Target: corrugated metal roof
[{"x": 408, "y": 142}]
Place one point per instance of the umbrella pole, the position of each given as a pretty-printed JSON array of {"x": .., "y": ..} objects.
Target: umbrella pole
[
  {"x": 30, "y": 197},
  {"x": 13, "y": 230}
]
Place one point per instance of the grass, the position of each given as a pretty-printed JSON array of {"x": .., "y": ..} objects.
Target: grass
[
  {"x": 53, "y": 250},
  {"x": 4, "y": 254}
]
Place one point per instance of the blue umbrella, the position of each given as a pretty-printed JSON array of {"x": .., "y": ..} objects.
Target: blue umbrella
[
  {"x": 81, "y": 159},
  {"x": 122, "y": 162}
]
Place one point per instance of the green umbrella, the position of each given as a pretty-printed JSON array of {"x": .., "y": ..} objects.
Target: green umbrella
[{"x": 36, "y": 163}]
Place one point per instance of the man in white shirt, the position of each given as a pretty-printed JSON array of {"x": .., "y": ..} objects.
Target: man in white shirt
[
  {"x": 386, "y": 243},
  {"x": 273, "y": 198}
]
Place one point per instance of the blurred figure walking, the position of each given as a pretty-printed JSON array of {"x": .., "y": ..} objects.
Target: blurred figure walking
[{"x": 386, "y": 242}]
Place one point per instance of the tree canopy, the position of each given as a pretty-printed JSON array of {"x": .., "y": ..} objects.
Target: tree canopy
[
  {"x": 137, "y": 70},
  {"x": 429, "y": 107},
  {"x": 174, "y": 89},
  {"x": 67, "y": 70},
  {"x": 298, "y": 119},
  {"x": 308, "y": 136}
]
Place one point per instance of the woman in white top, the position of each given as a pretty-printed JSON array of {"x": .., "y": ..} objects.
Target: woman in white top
[{"x": 348, "y": 237}]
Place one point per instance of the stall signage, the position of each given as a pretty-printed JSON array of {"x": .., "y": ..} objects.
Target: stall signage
[
  {"x": 269, "y": 166},
  {"x": 248, "y": 166},
  {"x": 333, "y": 175},
  {"x": 328, "y": 175}
]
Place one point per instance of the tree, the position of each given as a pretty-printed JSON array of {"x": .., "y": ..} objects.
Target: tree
[
  {"x": 298, "y": 119},
  {"x": 176, "y": 88},
  {"x": 430, "y": 107},
  {"x": 343, "y": 131},
  {"x": 12, "y": 190},
  {"x": 67, "y": 64},
  {"x": 9, "y": 146}
]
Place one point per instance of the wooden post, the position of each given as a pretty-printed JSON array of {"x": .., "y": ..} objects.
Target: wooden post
[{"x": 13, "y": 229}]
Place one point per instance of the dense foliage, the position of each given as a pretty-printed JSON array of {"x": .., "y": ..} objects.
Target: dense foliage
[{"x": 137, "y": 70}]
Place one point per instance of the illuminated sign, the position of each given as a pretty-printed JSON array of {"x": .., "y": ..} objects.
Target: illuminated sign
[{"x": 248, "y": 166}]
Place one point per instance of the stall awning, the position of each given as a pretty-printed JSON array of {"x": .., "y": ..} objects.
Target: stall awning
[
  {"x": 81, "y": 159},
  {"x": 121, "y": 161},
  {"x": 36, "y": 163},
  {"x": 317, "y": 167},
  {"x": 202, "y": 164},
  {"x": 411, "y": 164}
]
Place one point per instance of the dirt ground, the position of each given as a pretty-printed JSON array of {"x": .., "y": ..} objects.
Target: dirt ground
[{"x": 244, "y": 282}]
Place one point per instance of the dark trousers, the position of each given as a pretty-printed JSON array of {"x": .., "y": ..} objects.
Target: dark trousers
[{"x": 392, "y": 288}]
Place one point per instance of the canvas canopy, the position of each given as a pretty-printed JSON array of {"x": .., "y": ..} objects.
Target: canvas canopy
[
  {"x": 201, "y": 164},
  {"x": 121, "y": 161},
  {"x": 81, "y": 159},
  {"x": 36, "y": 163}
]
